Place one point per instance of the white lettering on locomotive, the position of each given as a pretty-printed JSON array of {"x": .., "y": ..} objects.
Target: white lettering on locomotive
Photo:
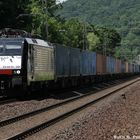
[{"x": 10, "y": 62}]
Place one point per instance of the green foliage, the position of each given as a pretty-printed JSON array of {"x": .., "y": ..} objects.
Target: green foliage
[
  {"x": 73, "y": 33},
  {"x": 122, "y": 15},
  {"x": 93, "y": 41},
  {"x": 39, "y": 17},
  {"x": 68, "y": 33},
  {"x": 109, "y": 40}
]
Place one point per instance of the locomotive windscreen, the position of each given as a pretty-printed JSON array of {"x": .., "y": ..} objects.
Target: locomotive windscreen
[{"x": 10, "y": 48}]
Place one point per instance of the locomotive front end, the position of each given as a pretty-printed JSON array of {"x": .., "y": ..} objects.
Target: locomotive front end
[{"x": 10, "y": 64}]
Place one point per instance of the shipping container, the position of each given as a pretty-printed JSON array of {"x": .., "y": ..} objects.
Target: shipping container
[
  {"x": 123, "y": 69},
  {"x": 75, "y": 58},
  {"x": 136, "y": 68},
  {"x": 126, "y": 67},
  {"x": 62, "y": 61},
  {"x": 67, "y": 61},
  {"x": 100, "y": 64},
  {"x": 111, "y": 65},
  {"x": 130, "y": 68},
  {"x": 88, "y": 63},
  {"x": 133, "y": 67},
  {"x": 118, "y": 66}
]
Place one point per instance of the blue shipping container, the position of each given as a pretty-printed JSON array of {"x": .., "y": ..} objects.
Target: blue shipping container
[
  {"x": 88, "y": 63},
  {"x": 122, "y": 67},
  {"x": 111, "y": 65},
  {"x": 75, "y": 58},
  {"x": 62, "y": 61}
]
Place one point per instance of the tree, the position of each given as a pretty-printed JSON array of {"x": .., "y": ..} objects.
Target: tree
[
  {"x": 109, "y": 38},
  {"x": 74, "y": 33},
  {"x": 68, "y": 33},
  {"x": 10, "y": 10},
  {"x": 42, "y": 15},
  {"x": 93, "y": 41}
]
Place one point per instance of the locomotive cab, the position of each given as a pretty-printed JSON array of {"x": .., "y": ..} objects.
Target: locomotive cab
[{"x": 11, "y": 72}]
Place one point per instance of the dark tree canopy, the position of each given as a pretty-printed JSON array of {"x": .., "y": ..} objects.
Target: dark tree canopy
[
  {"x": 10, "y": 10},
  {"x": 39, "y": 17}
]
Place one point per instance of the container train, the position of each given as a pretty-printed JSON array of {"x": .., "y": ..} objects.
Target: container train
[{"x": 30, "y": 64}]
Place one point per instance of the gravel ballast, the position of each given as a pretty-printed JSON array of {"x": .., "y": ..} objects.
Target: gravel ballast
[
  {"x": 117, "y": 117},
  {"x": 21, "y": 107}
]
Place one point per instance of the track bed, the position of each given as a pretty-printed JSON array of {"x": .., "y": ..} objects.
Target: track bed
[{"x": 34, "y": 123}]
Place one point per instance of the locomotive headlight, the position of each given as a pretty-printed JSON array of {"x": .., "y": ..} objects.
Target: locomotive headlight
[{"x": 17, "y": 72}]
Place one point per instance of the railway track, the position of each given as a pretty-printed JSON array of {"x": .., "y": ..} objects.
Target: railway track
[
  {"x": 96, "y": 88},
  {"x": 48, "y": 116},
  {"x": 6, "y": 100}
]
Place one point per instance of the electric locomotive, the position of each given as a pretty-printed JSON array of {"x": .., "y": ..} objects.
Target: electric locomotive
[{"x": 16, "y": 59}]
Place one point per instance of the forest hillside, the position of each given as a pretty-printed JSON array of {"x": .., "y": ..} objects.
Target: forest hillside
[{"x": 122, "y": 15}]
